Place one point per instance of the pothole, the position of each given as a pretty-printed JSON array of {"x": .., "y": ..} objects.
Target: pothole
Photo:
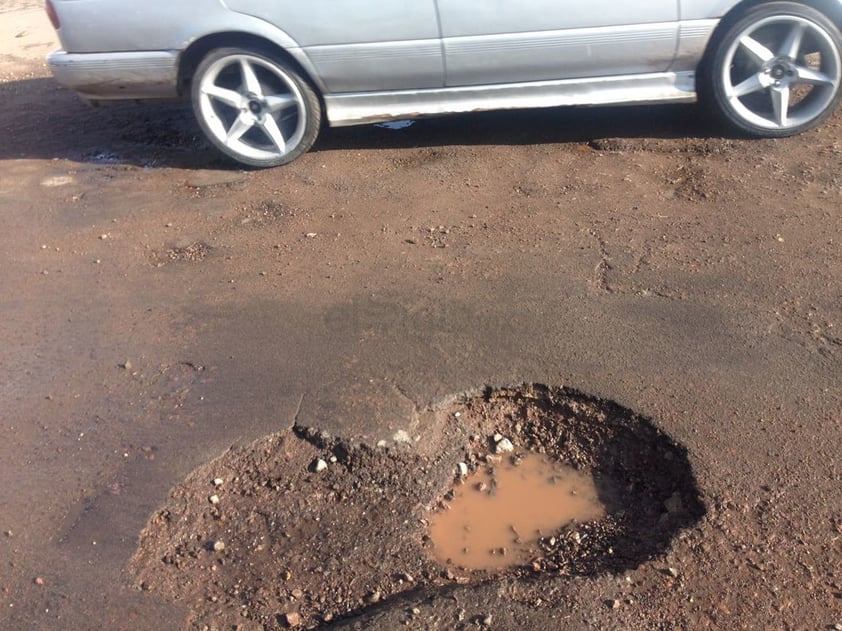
[{"x": 302, "y": 529}]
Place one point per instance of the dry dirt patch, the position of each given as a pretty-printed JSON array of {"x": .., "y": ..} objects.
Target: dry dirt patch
[{"x": 26, "y": 37}]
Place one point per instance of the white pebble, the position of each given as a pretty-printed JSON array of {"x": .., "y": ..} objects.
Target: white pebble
[{"x": 504, "y": 446}]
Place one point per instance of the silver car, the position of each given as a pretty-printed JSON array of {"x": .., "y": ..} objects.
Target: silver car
[{"x": 263, "y": 75}]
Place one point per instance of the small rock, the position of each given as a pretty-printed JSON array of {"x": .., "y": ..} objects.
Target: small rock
[
  {"x": 614, "y": 604},
  {"x": 311, "y": 235},
  {"x": 673, "y": 572},
  {"x": 293, "y": 619},
  {"x": 504, "y": 446},
  {"x": 462, "y": 468},
  {"x": 214, "y": 499},
  {"x": 218, "y": 481},
  {"x": 218, "y": 546},
  {"x": 402, "y": 437},
  {"x": 497, "y": 437},
  {"x": 416, "y": 611},
  {"x": 39, "y": 581},
  {"x": 486, "y": 620},
  {"x": 838, "y": 626},
  {"x": 126, "y": 365},
  {"x": 373, "y": 597},
  {"x": 317, "y": 466},
  {"x": 103, "y": 237}
]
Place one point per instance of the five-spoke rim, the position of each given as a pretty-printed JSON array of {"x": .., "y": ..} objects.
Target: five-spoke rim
[
  {"x": 252, "y": 106},
  {"x": 781, "y": 72}
]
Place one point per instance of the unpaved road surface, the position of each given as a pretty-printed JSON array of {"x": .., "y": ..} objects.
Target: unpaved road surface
[{"x": 167, "y": 320}]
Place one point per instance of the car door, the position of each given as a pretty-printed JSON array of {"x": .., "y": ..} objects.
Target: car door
[
  {"x": 361, "y": 45},
  {"x": 510, "y": 41}
]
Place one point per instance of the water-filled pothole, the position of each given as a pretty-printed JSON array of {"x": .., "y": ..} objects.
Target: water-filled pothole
[
  {"x": 303, "y": 528},
  {"x": 500, "y": 512}
]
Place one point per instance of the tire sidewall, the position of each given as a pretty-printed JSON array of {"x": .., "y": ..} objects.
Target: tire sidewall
[{"x": 714, "y": 89}]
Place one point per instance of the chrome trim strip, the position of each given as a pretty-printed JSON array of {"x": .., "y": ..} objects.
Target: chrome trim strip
[
  {"x": 372, "y": 107},
  {"x": 561, "y": 39},
  {"x": 103, "y": 76}
]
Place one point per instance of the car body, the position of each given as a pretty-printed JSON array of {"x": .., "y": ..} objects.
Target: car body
[{"x": 264, "y": 74}]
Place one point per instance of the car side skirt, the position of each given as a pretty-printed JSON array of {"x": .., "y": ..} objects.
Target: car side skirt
[{"x": 372, "y": 107}]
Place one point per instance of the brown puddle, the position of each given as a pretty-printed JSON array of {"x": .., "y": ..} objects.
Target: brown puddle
[{"x": 496, "y": 517}]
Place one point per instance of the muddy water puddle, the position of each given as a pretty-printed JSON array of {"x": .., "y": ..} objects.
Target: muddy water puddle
[{"x": 498, "y": 515}]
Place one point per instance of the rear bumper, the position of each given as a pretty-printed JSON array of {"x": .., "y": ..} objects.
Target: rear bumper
[{"x": 106, "y": 76}]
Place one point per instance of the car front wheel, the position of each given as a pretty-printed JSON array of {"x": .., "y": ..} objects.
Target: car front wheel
[
  {"x": 254, "y": 108},
  {"x": 777, "y": 70}
]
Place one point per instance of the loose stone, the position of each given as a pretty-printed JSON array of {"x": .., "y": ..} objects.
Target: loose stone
[{"x": 504, "y": 446}]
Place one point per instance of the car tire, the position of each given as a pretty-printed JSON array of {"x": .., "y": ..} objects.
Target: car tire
[
  {"x": 255, "y": 108},
  {"x": 775, "y": 70}
]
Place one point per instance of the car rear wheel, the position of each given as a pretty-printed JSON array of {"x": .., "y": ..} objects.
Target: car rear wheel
[
  {"x": 777, "y": 70},
  {"x": 254, "y": 108}
]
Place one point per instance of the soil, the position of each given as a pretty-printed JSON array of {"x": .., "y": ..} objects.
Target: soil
[{"x": 167, "y": 320}]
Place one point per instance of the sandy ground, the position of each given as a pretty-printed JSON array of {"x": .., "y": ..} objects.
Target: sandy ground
[
  {"x": 26, "y": 36},
  {"x": 164, "y": 316}
]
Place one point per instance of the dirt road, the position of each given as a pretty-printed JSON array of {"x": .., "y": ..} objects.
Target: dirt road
[{"x": 167, "y": 320}]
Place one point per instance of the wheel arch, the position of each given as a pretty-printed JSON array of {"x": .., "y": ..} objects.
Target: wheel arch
[
  {"x": 192, "y": 56},
  {"x": 831, "y": 8}
]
